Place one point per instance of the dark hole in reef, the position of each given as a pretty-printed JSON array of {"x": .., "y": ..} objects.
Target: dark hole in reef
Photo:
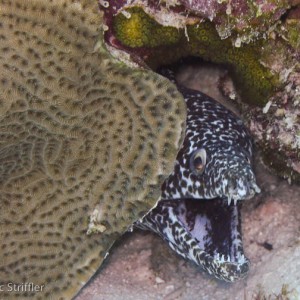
[
  {"x": 197, "y": 62},
  {"x": 212, "y": 79}
]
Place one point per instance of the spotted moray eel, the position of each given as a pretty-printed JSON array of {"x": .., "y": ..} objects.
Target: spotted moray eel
[{"x": 198, "y": 213}]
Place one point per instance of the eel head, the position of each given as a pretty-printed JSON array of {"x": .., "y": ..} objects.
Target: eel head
[{"x": 196, "y": 214}]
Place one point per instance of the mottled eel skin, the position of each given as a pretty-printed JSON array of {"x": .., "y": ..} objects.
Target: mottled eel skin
[{"x": 198, "y": 213}]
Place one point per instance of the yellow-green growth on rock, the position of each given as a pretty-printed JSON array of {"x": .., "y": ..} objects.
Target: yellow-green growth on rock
[
  {"x": 138, "y": 29},
  {"x": 257, "y": 83},
  {"x": 293, "y": 36}
]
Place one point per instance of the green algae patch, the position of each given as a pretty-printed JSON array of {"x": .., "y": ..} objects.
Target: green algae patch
[
  {"x": 276, "y": 162},
  {"x": 135, "y": 29},
  {"x": 293, "y": 36},
  {"x": 256, "y": 82}
]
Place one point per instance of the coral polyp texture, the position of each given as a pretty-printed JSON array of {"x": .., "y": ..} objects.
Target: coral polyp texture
[
  {"x": 85, "y": 144},
  {"x": 257, "y": 40}
]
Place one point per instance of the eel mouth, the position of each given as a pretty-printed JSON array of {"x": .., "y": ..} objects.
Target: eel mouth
[{"x": 207, "y": 232}]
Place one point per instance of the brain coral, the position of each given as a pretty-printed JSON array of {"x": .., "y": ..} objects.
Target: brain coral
[{"x": 82, "y": 135}]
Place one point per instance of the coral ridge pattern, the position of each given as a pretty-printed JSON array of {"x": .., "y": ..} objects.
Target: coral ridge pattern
[{"x": 86, "y": 143}]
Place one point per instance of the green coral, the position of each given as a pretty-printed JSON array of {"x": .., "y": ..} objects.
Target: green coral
[{"x": 168, "y": 44}]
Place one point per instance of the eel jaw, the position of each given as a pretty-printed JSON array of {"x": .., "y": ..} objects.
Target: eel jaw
[{"x": 207, "y": 232}]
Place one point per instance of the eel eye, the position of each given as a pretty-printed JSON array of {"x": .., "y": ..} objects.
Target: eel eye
[{"x": 198, "y": 161}]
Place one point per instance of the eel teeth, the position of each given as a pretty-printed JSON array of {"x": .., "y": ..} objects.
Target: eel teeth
[
  {"x": 229, "y": 201},
  {"x": 217, "y": 257},
  {"x": 221, "y": 258},
  {"x": 241, "y": 258}
]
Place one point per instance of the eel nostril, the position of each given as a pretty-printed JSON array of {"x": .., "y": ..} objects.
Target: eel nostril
[{"x": 256, "y": 188}]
